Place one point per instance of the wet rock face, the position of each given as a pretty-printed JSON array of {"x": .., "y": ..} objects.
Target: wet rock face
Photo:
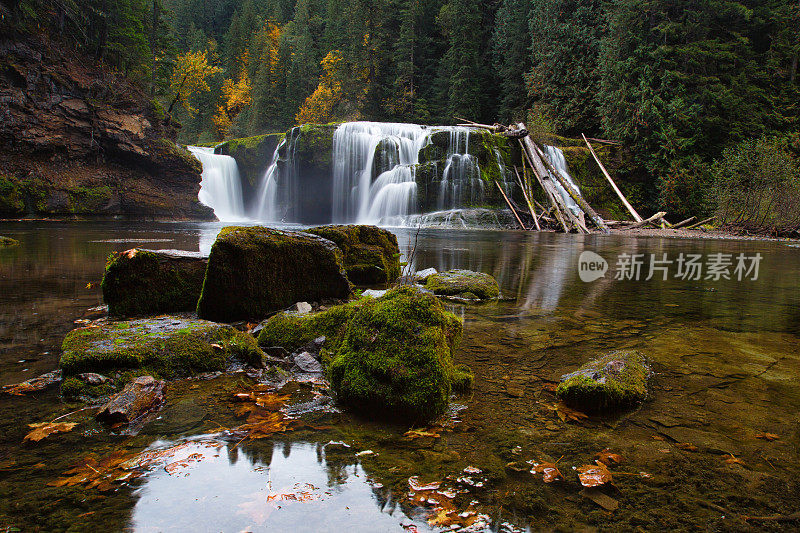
[
  {"x": 614, "y": 381},
  {"x": 147, "y": 282},
  {"x": 143, "y": 395},
  {"x": 254, "y": 271},
  {"x": 371, "y": 254},
  {"x": 166, "y": 347},
  {"x": 75, "y": 139},
  {"x": 464, "y": 284},
  {"x": 252, "y": 155}
]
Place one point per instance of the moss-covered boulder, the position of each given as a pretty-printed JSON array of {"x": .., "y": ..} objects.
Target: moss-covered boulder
[
  {"x": 255, "y": 271},
  {"x": 390, "y": 357},
  {"x": 615, "y": 380},
  {"x": 165, "y": 347},
  {"x": 371, "y": 254},
  {"x": 148, "y": 282},
  {"x": 463, "y": 284},
  {"x": 8, "y": 241}
]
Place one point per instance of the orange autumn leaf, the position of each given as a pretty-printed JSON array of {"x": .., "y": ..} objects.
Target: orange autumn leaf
[
  {"x": 767, "y": 436},
  {"x": 594, "y": 475},
  {"x": 550, "y": 387},
  {"x": 608, "y": 458},
  {"x": 45, "y": 429},
  {"x": 567, "y": 414},
  {"x": 549, "y": 471},
  {"x": 421, "y": 433},
  {"x": 732, "y": 459},
  {"x": 687, "y": 446}
]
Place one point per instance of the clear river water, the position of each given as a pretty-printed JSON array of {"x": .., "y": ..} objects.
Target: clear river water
[{"x": 696, "y": 455}]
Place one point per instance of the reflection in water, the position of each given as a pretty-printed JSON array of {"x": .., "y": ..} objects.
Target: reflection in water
[{"x": 296, "y": 489}]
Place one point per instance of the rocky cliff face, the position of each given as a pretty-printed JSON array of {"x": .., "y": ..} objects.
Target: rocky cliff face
[{"x": 79, "y": 139}]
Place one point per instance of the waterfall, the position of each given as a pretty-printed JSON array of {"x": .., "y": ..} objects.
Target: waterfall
[
  {"x": 356, "y": 197},
  {"x": 220, "y": 188},
  {"x": 269, "y": 208},
  {"x": 556, "y": 157},
  {"x": 461, "y": 180}
]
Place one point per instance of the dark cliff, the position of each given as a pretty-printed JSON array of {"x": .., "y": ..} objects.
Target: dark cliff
[{"x": 80, "y": 139}]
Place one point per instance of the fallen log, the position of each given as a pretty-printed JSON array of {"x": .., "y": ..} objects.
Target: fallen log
[
  {"x": 544, "y": 184},
  {"x": 527, "y": 200},
  {"x": 647, "y": 221},
  {"x": 510, "y": 206},
  {"x": 683, "y": 223},
  {"x": 628, "y": 206},
  {"x": 709, "y": 219}
]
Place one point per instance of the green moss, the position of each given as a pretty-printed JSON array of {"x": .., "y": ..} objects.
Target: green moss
[
  {"x": 77, "y": 388},
  {"x": 88, "y": 200},
  {"x": 371, "y": 254},
  {"x": 616, "y": 380},
  {"x": 252, "y": 154},
  {"x": 12, "y": 196},
  {"x": 254, "y": 271},
  {"x": 167, "y": 347},
  {"x": 148, "y": 283},
  {"x": 8, "y": 241},
  {"x": 463, "y": 283},
  {"x": 293, "y": 331},
  {"x": 157, "y": 110},
  {"x": 314, "y": 144},
  {"x": 396, "y": 356},
  {"x": 173, "y": 150}
]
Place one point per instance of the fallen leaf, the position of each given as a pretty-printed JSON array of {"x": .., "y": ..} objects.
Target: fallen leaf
[
  {"x": 606, "y": 502},
  {"x": 45, "y": 429},
  {"x": 594, "y": 475},
  {"x": 414, "y": 484},
  {"x": 767, "y": 436},
  {"x": 608, "y": 458},
  {"x": 688, "y": 446},
  {"x": 549, "y": 471},
  {"x": 732, "y": 460},
  {"x": 550, "y": 387},
  {"x": 567, "y": 414},
  {"x": 421, "y": 433}
]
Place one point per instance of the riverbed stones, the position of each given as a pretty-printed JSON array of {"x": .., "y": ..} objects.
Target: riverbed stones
[
  {"x": 141, "y": 282},
  {"x": 371, "y": 254},
  {"x": 254, "y": 271},
  {"x": 463, "y": 284},
  {"x": 614, "y": 381},
  {"x": 165, "y": 347},
  {"x": 143, "y": 395}
]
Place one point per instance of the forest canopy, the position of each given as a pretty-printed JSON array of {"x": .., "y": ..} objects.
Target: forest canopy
[{"x": 677, "y": 82}]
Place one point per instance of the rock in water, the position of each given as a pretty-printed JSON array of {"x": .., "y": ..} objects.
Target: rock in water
[
  {"x": 615, "y": 380},
  {"x": 306, "y": 362},
  {"x": 371, "y": 254},
  {"x": 253, "y": 271},
  {"x": 147, "y": 282},
  {"x": 141, "y": 396},
  {"x": 421, "y": 276},
  {"x": 464, "y": 284},
  {"x": 166, "y": 347}
]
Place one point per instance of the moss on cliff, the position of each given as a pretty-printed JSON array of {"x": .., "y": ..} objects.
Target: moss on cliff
[
  {"x": 12, "y": 199},
  {"x": 252, "y": 154}
]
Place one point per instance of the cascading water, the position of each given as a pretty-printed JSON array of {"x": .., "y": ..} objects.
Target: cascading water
[
  {"x": 268, "y": 208},
  {"x": 220, "y": 187},
  {"x": 556, "y": 157},
  {"x": 461, "y": 180}
]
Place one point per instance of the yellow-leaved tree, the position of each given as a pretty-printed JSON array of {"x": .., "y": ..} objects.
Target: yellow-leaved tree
[
  {"x": 235, "y": 97},
  {"x": 319, "y": 106},
  {"x": 190, "y": 76}
]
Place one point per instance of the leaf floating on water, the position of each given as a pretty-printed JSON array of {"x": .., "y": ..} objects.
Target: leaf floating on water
[
  {"x": 44, "y": 429},
  {"x": 608, "y": 458},
  {"x": 550, "y": 387},
  {"x": 98, "y": 473},
  {"x": 594, "y": 475},
  {"x": 422, "y": 433},
  {"x": 767, "y": 436},
  {"x": 414, "y": 484},
  {"x": 687, "y": 446},
  {"x": 549, "y": 471}
]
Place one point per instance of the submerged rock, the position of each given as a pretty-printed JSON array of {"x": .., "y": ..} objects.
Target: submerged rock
[
  {"x": 141, "y": 396},
  {"x": 421, "y": 276},
  {"x": 148, "y": 282},
  {"x": 254, "y": 271},
  {"x": 371, "y": 254},
  {"x": 616, "y": 380},
  {"x": 166, "y": 347},
  {"x": 464, "y": 284},
  {"x": 391, "y": 357},
  {"x": 8, "y": 241}
]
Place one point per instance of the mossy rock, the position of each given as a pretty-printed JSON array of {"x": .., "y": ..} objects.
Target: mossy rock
[
  {"x": 615, "y": 380},
  {"x": 149, "y": 282},
  {"x": 12, "y": 196},
  {"x": 463, "y": 283},
  {"x": 165, "y": 347},
  {"x": 389, "y": 357},
  {"x": 255, "y": 271},
  {"x": 396, "y": 357},
  {"x": 371, "y": 254},
  {"x": 8, "y": 241}
]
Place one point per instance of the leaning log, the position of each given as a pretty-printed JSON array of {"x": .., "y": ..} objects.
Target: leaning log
[
  {"x": 630, "y": 208},
  {"x": 647, "y": 221}
]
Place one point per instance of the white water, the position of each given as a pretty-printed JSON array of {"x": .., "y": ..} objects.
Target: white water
[
  {"x": 220, "y": 186},
  {"x": 556, "y": 157},
  {"x": 268, "y": 208}
]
